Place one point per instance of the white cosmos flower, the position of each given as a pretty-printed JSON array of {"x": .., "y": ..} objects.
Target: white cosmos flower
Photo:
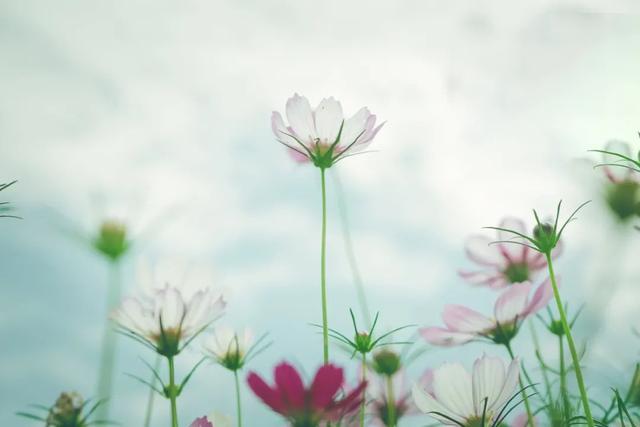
[
  {"x": 323, "y": 135},
  {"x": 458, "y": 398},
  {"x": 227, "y": 347},
  {"x": 165, "y": 320}
]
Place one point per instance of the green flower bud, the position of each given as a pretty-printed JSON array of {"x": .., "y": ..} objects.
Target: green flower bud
[
  {"x": 386, "y": 362},
  {"x": 363, "y": 342},
  {"x": 545, "y": 237},
  {"x": 556, "y": 328},
  {"x": 624, "y": 199},
  {"x": 112, "y": 239}
]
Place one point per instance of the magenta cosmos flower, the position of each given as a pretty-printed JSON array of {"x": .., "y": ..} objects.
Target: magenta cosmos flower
[
  {"x": 511, "y": 308},
  {"x": 202, "y": 422},
  {"x": 323, "y": 135},
  {"x": 307, "y": 406},
  {"x": 503, "y": 262}
]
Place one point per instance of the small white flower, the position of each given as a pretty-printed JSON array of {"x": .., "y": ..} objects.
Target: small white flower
[
  {"x": 227, "y": 347},
  {"x": 458, "y": 398},
  {"x": 165, "y": 320}
]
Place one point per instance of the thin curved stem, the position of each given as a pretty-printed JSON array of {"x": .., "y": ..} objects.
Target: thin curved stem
[
  {"x": 572, "y": 347},
  {"x": 351, "y": 256},
  {"x": 152, "y": 395},
  {"x": 173, "y": 393},
  {"x": 527, "y": 405},
  {"x": 238, "y": 401},
  {"x": 323, "y": 271},
  {"x": 109, "y": 341},
  {"x": 563, "y": 379}
]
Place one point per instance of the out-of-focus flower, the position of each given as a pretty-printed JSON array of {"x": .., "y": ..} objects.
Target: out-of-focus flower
[
  {"x": 378, "y": 389},
  {"x": 202, "y": 422},
  {"x": 307, "y": 406},
  {"x": 230, "y": 349},
  {"x": 323, "y": 135},
  {"x": 70, "y": 410},
  {"x": 503, "y": 263},
  {"x": 459, "y": 398},
  {"x": 167, "y": 321},
  {"x": 511, "y": 308},
  {"x": 622, "y": 192}
]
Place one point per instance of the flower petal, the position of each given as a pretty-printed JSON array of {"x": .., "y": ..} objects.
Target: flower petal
[
  {"x": 354, "y": 127},
  {"x": 488, "y": 381},
  {"x": 428, "y": 404},
  {"x": 617, "y": 174},
  {"x": 452, "y": 387},
  {"x": 300, "y": 118},
  {"x": 480, "y": 250},
  {"x": 329, "y": 118},
  {"x": 462, "y": 319},
  {"x": 512, "y": 303},
  {"x": 290, "y": 386},
  {"x": 268, "y": 395},
  {"x": 514, "y": 252},
  {"x": 444, "y": 337},
  {"x": 540, "y": 299},
  {"x": 510, "y": 384},
  {"x": 326, "y": 384}
]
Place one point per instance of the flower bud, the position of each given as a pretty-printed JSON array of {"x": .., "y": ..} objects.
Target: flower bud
[
  {"x": 386, "y": 362},
  {"x": 66, "y": 411},
  {"x": 112, "y": 239},
  {"x": 624, "y": 199},
  {"x": 363, "y": 342},
  {"x": 546, "y": 237},
  {"x": 556, "y": 328}
]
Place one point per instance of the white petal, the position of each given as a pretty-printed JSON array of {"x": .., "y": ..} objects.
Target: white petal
[
  {"x": 328, "y": 119},
  {"x": 452, "y": 387},
  {"x": 481, "y": 250},
  {"x": 510, "y": 386},
  {"x": 488, "y": 381},
  {"x": 354, "y": 126},
  {"x": 427, "y": 404},
  {"x": 300, "y": 118},
  {"x": 282, "y": 133}
]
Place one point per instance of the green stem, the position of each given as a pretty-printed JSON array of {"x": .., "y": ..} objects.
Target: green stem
[
  {"x": 527, "y": 405},
  {"x": 238, "y": 402},
  {"x": 364, "y": 392},
  {"x": 391, "y": 403},
  {"x": 109, "y": 341},
  {"x": 152, "y": 394},
  {"x": 545, "y": 374},
  {"x": 572, "y": 346},
  {"x": 351, "y": 256},
  {"x": 173, "y": 393},
  {"x": 563, "y": 379},
  {"x": 323, "y": 271}
]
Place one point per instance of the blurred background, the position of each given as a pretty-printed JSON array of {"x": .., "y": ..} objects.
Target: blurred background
[{"x": 157, "y": 113}]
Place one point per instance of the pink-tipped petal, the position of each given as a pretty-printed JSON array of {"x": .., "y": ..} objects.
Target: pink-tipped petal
[
  {"x": 512, "y": 303},
  {"x": 326, "y": 384},
  {"x": 481, "y": 250},
  {"x": 290, "y": 386},
  {"x": 444, "y": 337},
  {"x": 542, "y": 296},
  {"x": 513, "y": 251},
  {"x": 202, "y": 422},
  {"x": 462, "y": 319}
]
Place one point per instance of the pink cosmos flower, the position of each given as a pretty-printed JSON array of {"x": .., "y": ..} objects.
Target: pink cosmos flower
[
  {"x": 323, "y": 135},
  {"x": 404, "y": 406},
  {"x": 503, "y": 263},
  {"x": 511, "y": 308},
  {"x": 307, "y": 406},
  {"x": 202, "y": 422}
]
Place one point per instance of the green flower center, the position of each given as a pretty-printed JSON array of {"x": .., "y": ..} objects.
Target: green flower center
[{"x": 517, "y": 273}]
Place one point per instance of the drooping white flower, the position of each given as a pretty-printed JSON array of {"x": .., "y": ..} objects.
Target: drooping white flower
[
  {"x": 457, "y": 397},
  {"x": 227, "y": 347},
  {"x": 167, "y": 321},
  {"x": 323, "y": 135}
]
